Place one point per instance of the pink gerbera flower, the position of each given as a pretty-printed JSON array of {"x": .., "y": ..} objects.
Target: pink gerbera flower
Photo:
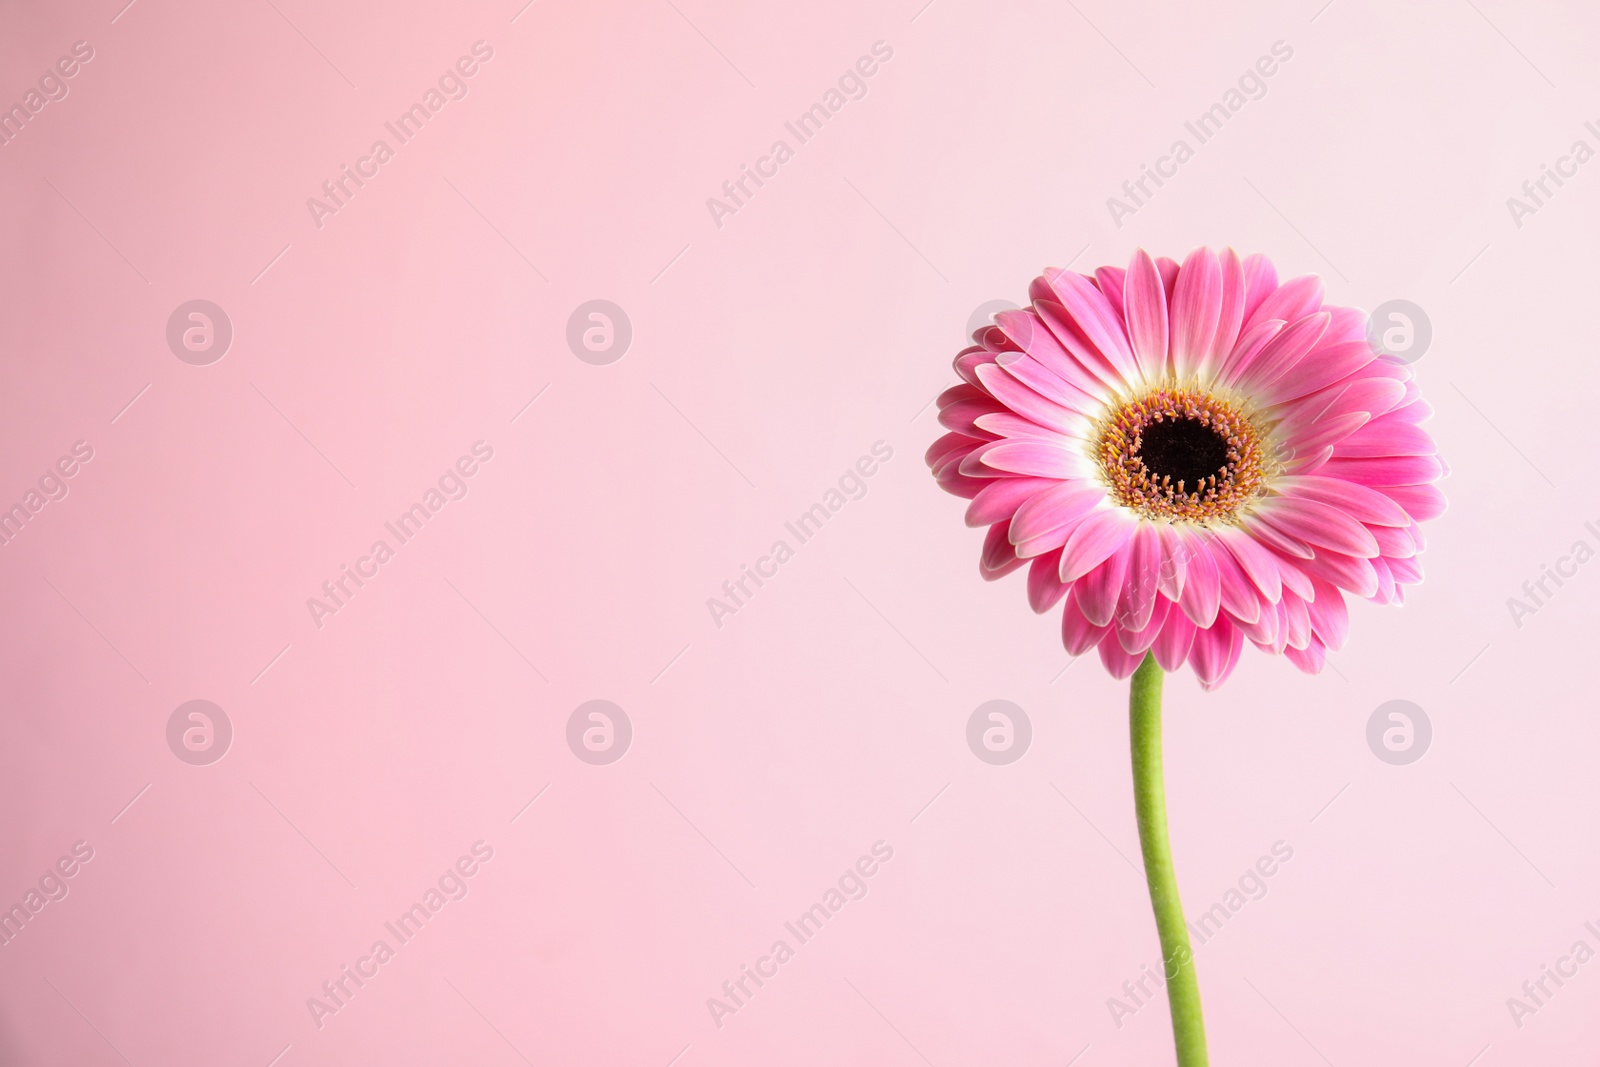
[{"x": 1190, "y": 456}]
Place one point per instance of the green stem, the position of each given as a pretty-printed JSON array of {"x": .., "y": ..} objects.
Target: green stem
[{"x": 1150, "y": 801}]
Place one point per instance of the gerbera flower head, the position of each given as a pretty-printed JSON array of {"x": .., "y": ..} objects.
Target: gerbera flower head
[{"x": 1189, "y": 456}]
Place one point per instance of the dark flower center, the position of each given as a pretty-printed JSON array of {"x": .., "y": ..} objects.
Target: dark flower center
[{"x": 1184, "y": 450}]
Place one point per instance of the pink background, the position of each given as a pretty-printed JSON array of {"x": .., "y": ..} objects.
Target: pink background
[{"x": 767, "y": 356}]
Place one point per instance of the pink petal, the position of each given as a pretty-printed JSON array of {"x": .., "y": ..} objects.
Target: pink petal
[
  {"x": 997, "y": 559},
  {"x": 1322, "y": 367},
  {"x": 950, "y": 471},
  {"x": 1011, "y": 392},
  {"x": 1422, "y": 502},
  {"x": 990, "y": 337},
  {"x": 1039, "y": 458},
  {"x": 1175, "y": 552},
  {"x": 1196, "y": 309},
  {"x": 1099, "y": 535},
  {"x": 968, "y": 359},
  {"x": 1046, "y": 348},
  {"x": 1039, "y": 289},
  {"x": 1118, "y": 663},
  {"x": 1138, "y": 597},
  {"x": 1298, "y": 620},
  {"x": 1261, "y": 527},
  {"x": 1091, "y": 363},
  {"x": 1415, "y": 411},
  {"x": 952, "y": 481},
  {"x": 1308, "y": 463},
  {"x": 1310, "y": 442},
  {"x": 1387, "y": 436},
  {"x": 1387, "y": 592},
  {"x": 1393, "y": 543},
  {"x": 1141, "y": 639},
  {"x": 1144, "y": 303},
  {"x": 1202, "y": 587},
  {"x": 1046, "y": 382},
  {"x": 1045, "y": 590},
  {"x": 959, "y": 393},
  {"x": 955, "y": 460},
  {"x": 1269, "y": 630},
  {"x": 1078, "y": 634},
  {"x": 1169, "y": 273},
  {"x": 1320, "y": 525},
  {"x": 1099, "y": 591},
  {"x": 1045, "y": 520},
  {"x": 1007, "y": 423},
  {"x": 1374, "y": 394},
  {"x": 1406, "y": 571},
  {"x": 973, "y": 466},
  {"x": 953, "y": 456},
  {"x": 1110, "y": 281},
  {"x": 1364, "y": 396},
  {"x": 1017, "y": 327},
  {"x": 1278, "y": 356},
  {"x": 1295, "y": 578},
  {"x": 1330, "y": 616},
  {"x": 1172, "y": 645},
  {"x": 994, "y": 340},
  {"x": 1260, "y": 282},
  {"x": 1257, "y": 562},
  {"x": 1250, "y": 343},
  {"x": 1356, "y": 500},
  {"x": 1386, "y": 470},
  {"x": 962, "y": 416},
  {"x": 1310, "y": 659},
  {"x": 1096, "y": 318},
  {"x": 1000, "y": 498},
  {"x": 1349, "y": 324},
  {"x": 1350, "y": 573},
  {"x": 1291, "y": 301},
  {"x": 1390, "y": 368},
  {"x": 1231, "y": 313},
  {"x": 947, "y": 447},
  {"x": 1215, "y": 652},
  {"x": 1236, "y": 591}
]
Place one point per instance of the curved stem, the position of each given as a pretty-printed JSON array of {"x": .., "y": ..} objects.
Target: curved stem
[{"x": 1150, "y": 801}]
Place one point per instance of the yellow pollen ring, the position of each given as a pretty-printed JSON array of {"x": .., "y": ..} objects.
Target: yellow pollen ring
[{"x": 1215, "y": 498}]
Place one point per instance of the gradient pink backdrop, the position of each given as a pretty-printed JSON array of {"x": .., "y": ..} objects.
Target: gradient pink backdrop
[{"x": 767, "y": 355}]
